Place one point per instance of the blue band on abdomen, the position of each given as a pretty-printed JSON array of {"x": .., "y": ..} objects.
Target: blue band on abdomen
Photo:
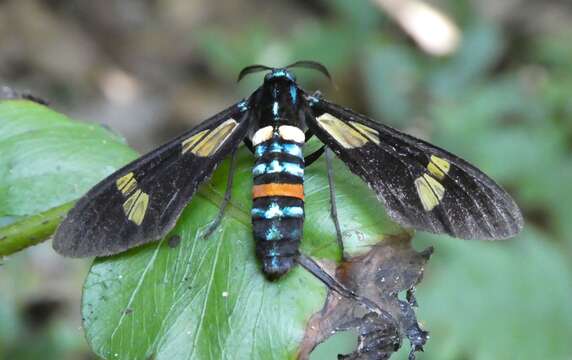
[
  {"x": 276, "y": 147},
  {"x": 275, "y": 211},
  {"x": 276, "y": 166}
]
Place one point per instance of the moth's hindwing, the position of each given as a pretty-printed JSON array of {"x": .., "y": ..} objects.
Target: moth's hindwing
[
  {"x": 421, "y": 185},
  {"x": 142, "y": 201}
]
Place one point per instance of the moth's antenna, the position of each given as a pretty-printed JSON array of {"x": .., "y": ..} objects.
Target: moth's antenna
[
  {"x": 314, "y": 65},
  {"x": 252, "y": 69}
]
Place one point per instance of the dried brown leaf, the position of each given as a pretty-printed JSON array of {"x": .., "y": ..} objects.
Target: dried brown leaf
[{"x": 389, "y": 268}]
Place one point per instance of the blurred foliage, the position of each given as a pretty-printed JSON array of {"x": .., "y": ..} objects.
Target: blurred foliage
[{"x": 502, "y": 102}]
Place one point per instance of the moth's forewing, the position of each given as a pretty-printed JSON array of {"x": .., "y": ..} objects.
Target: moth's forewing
[
  {"x": 421, "y": 185},
  {"x": 142, "y": 201}
]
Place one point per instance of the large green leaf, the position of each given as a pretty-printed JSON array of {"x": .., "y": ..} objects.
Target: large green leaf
[
  {"x": 207, "y": 298},
  {"x": 184, "y": 296},
  {"x": 47, "y": 160}
]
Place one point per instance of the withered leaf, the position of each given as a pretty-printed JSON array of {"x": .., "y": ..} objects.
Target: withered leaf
[{"x": 381, "y": 319}]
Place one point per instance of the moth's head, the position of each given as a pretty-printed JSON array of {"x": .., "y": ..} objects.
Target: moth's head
[
  {"x": 283, "y": 73},
  {"x": 279, "y": 75}
]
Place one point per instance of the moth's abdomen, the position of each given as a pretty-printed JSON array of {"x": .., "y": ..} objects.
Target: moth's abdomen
[{"x": 278, "y": 197}]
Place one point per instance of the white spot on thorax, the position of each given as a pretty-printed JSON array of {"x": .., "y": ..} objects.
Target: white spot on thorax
[
  {"x": 262, "y": 135},
  {"x": 292, "y": 133}
]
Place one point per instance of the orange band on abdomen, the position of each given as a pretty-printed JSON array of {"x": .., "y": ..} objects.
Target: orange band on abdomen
[{"x": 275, "y": 189}]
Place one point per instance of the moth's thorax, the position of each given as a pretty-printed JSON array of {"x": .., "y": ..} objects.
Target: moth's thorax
[{"x": 279, "y": 101}]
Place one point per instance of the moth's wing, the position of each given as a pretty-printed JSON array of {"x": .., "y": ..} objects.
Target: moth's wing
[
  {"x": 142, "y": 201},
  {"x": 421, "y": 185}
]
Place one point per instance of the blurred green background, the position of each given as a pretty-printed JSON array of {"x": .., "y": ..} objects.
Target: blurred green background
[{"x": 500, "y": 96}]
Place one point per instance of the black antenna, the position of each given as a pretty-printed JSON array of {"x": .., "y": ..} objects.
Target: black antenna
[
  {"x": 314, "y": 65},
  {"x": 252, "y": 69},
  {"x": 306, "y": 64}
]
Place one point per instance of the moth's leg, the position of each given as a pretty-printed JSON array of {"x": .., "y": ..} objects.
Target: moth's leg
[
  {"x": 248, "y": 144},
  {"x": 308, "y": 134},
  {"x": 333, "y": 206},
  {"x": 333, "y": 284},
  {"x": 309, "y": 160},
  {"x": 226, "y": 199},
  {"x": 315, "y": 269}
]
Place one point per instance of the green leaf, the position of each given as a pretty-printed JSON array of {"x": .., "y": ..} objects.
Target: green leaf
[
  {"x": 207, "y": 298},
  {"x": 47, "y": 160},
  {"x": 200, "y": 298},
  {"x": 194, "y": 298}
]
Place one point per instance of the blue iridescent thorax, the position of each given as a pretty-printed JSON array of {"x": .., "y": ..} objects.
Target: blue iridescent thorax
[
  {"x": 275, "y": 109},
  {"x": 279, "y": 101},
  {"x": 293, "y": 93}
]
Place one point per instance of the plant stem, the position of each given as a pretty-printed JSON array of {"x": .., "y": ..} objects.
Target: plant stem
[{"x": 31, "y": 230}]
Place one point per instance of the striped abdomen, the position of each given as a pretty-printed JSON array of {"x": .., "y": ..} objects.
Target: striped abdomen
[{"x": 278, "y": 197}]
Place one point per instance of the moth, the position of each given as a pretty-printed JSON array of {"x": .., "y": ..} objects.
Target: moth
[{"x": 421, "y": 185}]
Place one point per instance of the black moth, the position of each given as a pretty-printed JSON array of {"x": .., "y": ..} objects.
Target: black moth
[{"x": 422, "y": 186}]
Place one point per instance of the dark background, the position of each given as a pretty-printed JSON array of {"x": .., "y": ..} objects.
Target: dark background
[{"x": 499, "y": 97}]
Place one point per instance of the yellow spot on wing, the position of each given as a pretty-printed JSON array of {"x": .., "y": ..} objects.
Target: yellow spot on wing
[
  {"x": 371, "y": 134},
  {"x": 135, "y": 206},
  {"x": 128, "y": 204},
  {"x": 190, "y": 142},
  {"x": 344, "y": 134},
  {"x": 214, "y": 139},
  {"x": 438, "y": 167},
  {"x": 127, "y": 183},
  {"x": 430, "y": 191}
]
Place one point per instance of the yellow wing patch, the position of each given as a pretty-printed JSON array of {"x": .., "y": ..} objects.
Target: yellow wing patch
[
  {"x": 137, "y": 201},
  {"x": 371, "y": 134},
  {"x": 207, "y": 142},
  {"x": 344, "y": 134},
  {"x": 192, "y": 141},
  {"x": 135, "y": 206},
  {"x": 126, "y": 184},
  {"x": 430, "y": 191},
  {"x": 438, "y": 167}
]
